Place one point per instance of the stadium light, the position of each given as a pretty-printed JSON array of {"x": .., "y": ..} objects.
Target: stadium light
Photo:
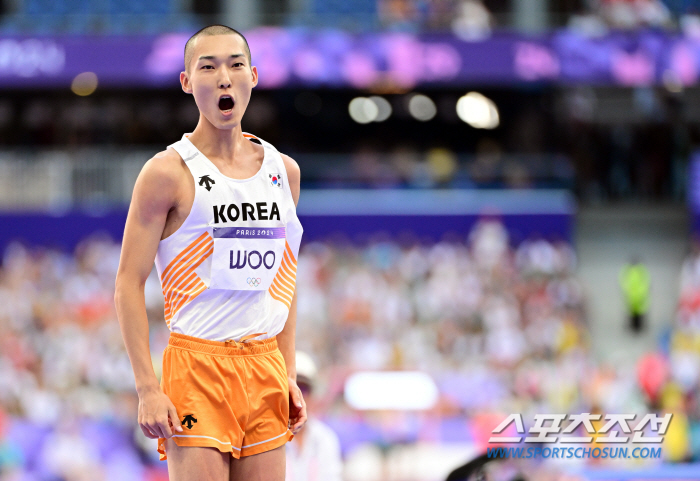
[
  {"x": 383, "y": 106},
  {"x": 363, "y": 110},
  {"x": 394, "y": 390},
  {"x": 422, "y": 107},
  {"x": 478, "y": 111},
  {"x": 84, "y": 84}
]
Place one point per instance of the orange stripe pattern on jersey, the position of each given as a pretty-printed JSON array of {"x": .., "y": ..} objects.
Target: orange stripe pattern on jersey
[
  {"x": 180, "y": 282},
  {"x": 282, "y": 288}
]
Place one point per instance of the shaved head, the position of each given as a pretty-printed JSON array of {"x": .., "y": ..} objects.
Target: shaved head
[{"x": 210, "y": 31}]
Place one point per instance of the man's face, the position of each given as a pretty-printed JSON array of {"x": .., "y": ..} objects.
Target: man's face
[{"x": 220, "y": 78}]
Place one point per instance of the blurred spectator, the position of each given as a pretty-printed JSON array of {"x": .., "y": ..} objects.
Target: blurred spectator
[
  {"x": 631, "y": 14},
  {"x": 314, "y": 453},
  {"x": 399, "y": 15},
  {"x": 636, "y": 282},
  {"x": 443, "y": 165},
  {"x": 371, "y": 168},
  {"x": 486, "y": 167},
  {"x": 690, "y": 25},
  {"x": 516, "y": 175},
  {"x": 404, "y": 160},
  {"x": 588, "y": 24},
  {"x": 472, "y": 21}
]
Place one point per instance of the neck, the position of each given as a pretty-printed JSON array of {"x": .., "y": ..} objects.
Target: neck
[{"x": 218, "y": 143}]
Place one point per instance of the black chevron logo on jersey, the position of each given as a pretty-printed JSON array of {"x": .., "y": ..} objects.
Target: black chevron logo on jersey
[
  {"x": 205, "y": 179},
  {"x": 189, "y": 420}
]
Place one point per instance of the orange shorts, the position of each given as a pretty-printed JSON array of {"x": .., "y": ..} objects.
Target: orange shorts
[{"x": 232, "y": 396}]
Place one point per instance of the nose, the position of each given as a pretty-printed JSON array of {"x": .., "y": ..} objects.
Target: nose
[{"x": 224, "y": 80}]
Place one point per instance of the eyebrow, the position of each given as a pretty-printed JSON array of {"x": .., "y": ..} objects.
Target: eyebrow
[{"x": 211, "y": 57}]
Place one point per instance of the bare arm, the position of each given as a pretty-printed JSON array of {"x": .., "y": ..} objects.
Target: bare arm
[
  {"x": 285, "y": 339},
  {"x": 155, "y": 193}
]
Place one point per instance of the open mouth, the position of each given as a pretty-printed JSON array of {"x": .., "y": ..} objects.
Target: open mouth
[{"x": 225, "y": 103}]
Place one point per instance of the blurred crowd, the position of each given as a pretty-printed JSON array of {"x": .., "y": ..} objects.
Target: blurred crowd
[
  {"x": 672, "y": 375},
  {"x": 468, "y": 19},
  {"x": 67, "y": 402},
  {"x": 407, "y": 166},
  {"x": 451, "y": 308},
  {"x": 473, "y": 20},
  {"x": 500, "y": 330}
]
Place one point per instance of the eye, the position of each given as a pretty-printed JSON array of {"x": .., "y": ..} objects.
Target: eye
[
  {"x": 206, "y": 67},
  {"x": 238, "y": 64}
]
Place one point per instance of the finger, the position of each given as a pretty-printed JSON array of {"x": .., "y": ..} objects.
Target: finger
[
  {"x": 153, "y": 429},
  {"x": 292, "y": 421},
  {"x": 156, "y": 429},
  {"x": 299, "y": 422},
  {"x": 146, "y": 432},
  {"x": 165, "y": 428},
  {"x": 297, "y": 398},
  {"x": 174, "y": 419},
  {"x": 296, "y": 413},
  {"x": 297, "y": 427}
]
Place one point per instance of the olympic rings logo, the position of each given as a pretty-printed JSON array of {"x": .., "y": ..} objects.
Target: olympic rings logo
[{"x": 253, "y": 281}]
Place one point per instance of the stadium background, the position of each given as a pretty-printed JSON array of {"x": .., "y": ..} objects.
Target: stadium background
[{"x": 475, "y": 175}]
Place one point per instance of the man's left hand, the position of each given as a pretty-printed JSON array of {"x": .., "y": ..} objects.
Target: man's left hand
[{"x": 297, "y": 407}]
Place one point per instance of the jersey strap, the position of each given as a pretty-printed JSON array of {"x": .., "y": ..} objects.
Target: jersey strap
[{"x": 185, "y": 148}]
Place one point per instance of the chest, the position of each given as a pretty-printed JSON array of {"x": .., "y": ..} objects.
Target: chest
[
  {"x": 245, "y": 168},
  {"x": 223, "y": 202}
]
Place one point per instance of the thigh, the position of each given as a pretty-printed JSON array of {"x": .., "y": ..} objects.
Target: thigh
[
  {"x": 267, "y": 466},
  {"x": 189, "y": 463},
  {"x": 268, "y": 402}
]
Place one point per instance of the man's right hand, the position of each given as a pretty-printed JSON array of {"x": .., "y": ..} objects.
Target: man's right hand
[{"x": 158, "y": 417}]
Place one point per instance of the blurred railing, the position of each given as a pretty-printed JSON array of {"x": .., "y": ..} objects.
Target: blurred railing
[
  {"x": 352, "y": 20},
  {"x": 98, "y": 24},
  {"x": 437, "y": 168},
  {"x": 100, "y": 178},
  {"x": 57, "y": 180}
]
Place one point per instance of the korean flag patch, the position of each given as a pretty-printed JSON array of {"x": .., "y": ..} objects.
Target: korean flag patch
[{"x": 275, "y": 180}]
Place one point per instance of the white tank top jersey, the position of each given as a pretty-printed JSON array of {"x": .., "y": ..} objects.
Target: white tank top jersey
[{"x": 229, "y": 271}]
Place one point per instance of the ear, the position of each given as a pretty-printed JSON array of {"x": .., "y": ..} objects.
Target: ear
[
  {"x": 254, "y": 73},
  {"x": 185, "y": 82}
]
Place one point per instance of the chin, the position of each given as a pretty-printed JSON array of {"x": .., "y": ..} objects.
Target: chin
[
  {"x": 224, "y": 124},
  {"x": 227, "y": 125}
]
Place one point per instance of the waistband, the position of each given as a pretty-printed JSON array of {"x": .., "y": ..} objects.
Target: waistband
[{"x": 247, "y": 347}]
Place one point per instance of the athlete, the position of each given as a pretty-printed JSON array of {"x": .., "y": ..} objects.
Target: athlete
[{"x": 217, "y": 213}]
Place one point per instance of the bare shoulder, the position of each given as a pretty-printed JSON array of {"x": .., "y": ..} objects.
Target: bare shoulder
[
  {"x": 161, "y": 178},
  {"x": 166, "y": 164},
  {"x": 293, "y": 174},
  {"x": 291, "y": 166},
  {"x": 165, "y": 168}
]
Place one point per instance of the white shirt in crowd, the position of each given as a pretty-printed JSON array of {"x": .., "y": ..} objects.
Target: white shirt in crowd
[{"x": 318, "y": 458}]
